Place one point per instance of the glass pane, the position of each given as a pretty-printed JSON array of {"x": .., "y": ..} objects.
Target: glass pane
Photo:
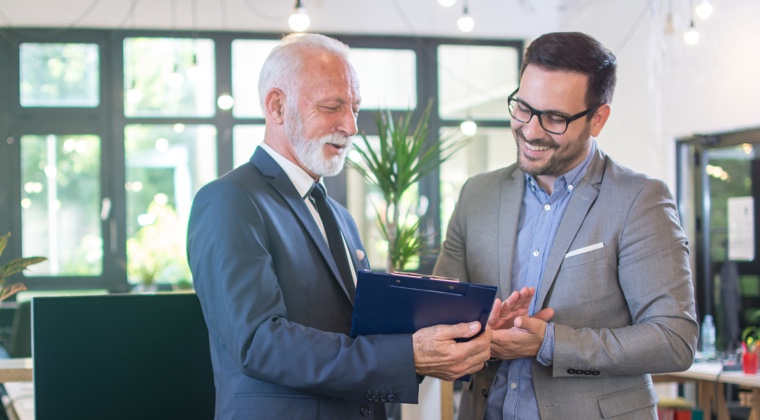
[
  {"x": 165, "y": 167},
  {"x": 476, "y": 81},
  {"x": 169, "y": 77},
  {"x": 59, "y": 75},
  {"x": 60, "y": 204},
  {"x": 247, "y": 58},
  {"x": 490, "y": 149},
  {"x": 388, "y": 78},
  {"x": 245, "y": 138},
  {"x": 729, "y": 171},
  {"x": 365, "y": 201}
]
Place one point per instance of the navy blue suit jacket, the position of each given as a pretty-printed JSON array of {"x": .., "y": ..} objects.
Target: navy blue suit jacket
[{"x": 277, "y": 312}]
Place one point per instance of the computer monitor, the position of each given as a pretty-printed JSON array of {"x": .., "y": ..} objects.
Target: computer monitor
[{"x": 121, "y": 357}]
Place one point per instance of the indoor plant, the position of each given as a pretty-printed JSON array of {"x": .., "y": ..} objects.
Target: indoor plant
[
  {"x": 15, "y": 266},
  {"x": 399, "y": 160}
]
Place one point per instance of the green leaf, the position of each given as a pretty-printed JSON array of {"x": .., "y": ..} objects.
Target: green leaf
[
  {"x": 18, "y": 265},
  {"x": 4, "y": 242}
]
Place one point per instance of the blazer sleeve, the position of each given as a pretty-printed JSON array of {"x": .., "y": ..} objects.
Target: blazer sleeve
[
  {"x": 652, "y": 270},
  {"x": 229, "y": 253}
]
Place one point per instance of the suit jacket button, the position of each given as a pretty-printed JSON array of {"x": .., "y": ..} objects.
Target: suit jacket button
[
  {"x": 595, "y": 373},
  {"x": 365, "y": 411},
  {"x": 369, "y": 397},
  {"x": 376, "y": 398},
  {"x": 391, "y": 398},
  {"x": 384, "y": 398},
  {"x": 484, "y": 393},
  {"x": 570, "y": 371},
  {"x": 587, "y": 372}
]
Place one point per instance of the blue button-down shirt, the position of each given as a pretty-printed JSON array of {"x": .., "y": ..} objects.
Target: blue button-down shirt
[{"x": 512, "y": 396}]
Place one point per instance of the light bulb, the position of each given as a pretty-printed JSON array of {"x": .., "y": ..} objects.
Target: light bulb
[
  {"x": 134, "y": 95},
  {"x": 176, "y": 79},
  {"x": 466, "y": 23},
  {"x": 299, "y": 21},
  {"x": 225, "y": 101},
  {"x": 468, "y": 127},
  {"x": 447, "y": 3},
  {"x": 193, "y": 71},
  {"x": 691, "y": 36},
  {"x": 704, "y": 9}
]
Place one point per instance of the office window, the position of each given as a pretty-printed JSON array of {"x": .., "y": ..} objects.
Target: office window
[
  {"x": 490, "y": 149},
  {"x": 475, "y": 81},
  {"x": 245, "y": 139},
  {"x": 247, "y": 58},
  {"x": 387, "y": 78},
  {"x": 59, "y": 75},
  {"x": 169, "y": 77},
  {"x": 165, "y": 166},
  {"x": 139, "y": 161},
  {"x": 60, "y": 204}
]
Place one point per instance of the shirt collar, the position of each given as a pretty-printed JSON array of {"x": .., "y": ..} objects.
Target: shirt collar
[{"x": 300, "y": 179}]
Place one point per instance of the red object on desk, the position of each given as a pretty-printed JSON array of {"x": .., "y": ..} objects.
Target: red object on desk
[{"x": 750, "y": 362}]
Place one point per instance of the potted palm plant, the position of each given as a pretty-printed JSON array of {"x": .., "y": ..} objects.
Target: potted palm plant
[
  {"x": 394, "y": 165},
  {"x": 12, "y": 267}
]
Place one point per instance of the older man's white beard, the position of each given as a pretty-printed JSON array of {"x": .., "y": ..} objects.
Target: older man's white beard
[{"x": 311, "y": 153}]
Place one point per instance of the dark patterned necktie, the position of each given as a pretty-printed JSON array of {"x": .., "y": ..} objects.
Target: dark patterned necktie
[{"x": 334, "y": 237}]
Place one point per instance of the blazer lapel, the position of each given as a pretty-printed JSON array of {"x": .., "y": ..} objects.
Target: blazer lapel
[
  {"x": 280, "y": 181},
  {"x": 513, "y": 186},
  {"x": 584, "y": 196}
]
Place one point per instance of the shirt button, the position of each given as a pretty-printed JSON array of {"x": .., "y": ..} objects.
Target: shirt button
[
  {"x": 535, "y": 253},
  {"x": 570, "y": 187},
  {"x": 547, "y": 207},
  {"x": 513, "y": 385}
]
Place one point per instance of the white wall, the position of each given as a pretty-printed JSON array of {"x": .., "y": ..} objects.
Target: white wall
[{"x": 667, "y": 89}]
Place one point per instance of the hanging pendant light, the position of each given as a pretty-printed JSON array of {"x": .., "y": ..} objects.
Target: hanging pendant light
[{"x": 299, "y": 21}]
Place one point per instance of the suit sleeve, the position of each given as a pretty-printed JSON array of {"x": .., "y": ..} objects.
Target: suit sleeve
[
  {"x": 235, "y": 279},
  {"x": 654, "y": 276},
  {"x": 452, "y": 260}
]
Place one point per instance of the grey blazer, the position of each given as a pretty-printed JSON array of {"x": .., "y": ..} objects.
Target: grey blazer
[
  {"x": 278, "y": 314},
  {"x": 623, "y": 309}
]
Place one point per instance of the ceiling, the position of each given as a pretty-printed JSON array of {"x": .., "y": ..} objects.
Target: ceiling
[{"x": 501, "y": 19}]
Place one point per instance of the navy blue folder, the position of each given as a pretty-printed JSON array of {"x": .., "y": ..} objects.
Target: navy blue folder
[{"x": 400, "y": 303}]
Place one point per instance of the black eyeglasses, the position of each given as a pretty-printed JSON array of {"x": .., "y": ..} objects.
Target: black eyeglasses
[{"x": 551, "y": 122}]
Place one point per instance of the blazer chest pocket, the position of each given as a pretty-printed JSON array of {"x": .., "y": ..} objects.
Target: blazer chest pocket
[{"x": 580, "y": 256}]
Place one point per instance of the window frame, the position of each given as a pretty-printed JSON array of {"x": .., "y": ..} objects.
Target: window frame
[{"x": 108, "y": 121}]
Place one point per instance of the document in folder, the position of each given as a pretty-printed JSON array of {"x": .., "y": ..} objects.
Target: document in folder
[{"x": 400, "y": 303}]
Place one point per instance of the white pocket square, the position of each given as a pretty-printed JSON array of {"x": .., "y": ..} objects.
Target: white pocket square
[{"x": 584, "y": 249}]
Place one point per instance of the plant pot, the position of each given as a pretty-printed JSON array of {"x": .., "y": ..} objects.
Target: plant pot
[{"x": 750, "y": 362}]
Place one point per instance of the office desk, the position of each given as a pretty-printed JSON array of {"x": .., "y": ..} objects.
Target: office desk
[
  {"x": 710, "y": 380},
  {"x": 16, "y": 370}
]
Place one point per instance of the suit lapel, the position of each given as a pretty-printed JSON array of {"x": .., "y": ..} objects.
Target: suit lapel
[
  {"x": 281, "y": 183},
  {"x": 584, "y": 196},
  {"x": 513, "y": 186}
]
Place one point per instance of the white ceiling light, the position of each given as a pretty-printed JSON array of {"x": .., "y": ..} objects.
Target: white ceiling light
[
  {"x": 704, "y": 9},
  {"x": 468, "y": 127},
  {"x": 225, "y": 101},
  {"x": 692, "y": 35},
  {"x": 447, "y": 3},
  {"x": 299, "y": 21},
  {"x": 466, "y": 23}
]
